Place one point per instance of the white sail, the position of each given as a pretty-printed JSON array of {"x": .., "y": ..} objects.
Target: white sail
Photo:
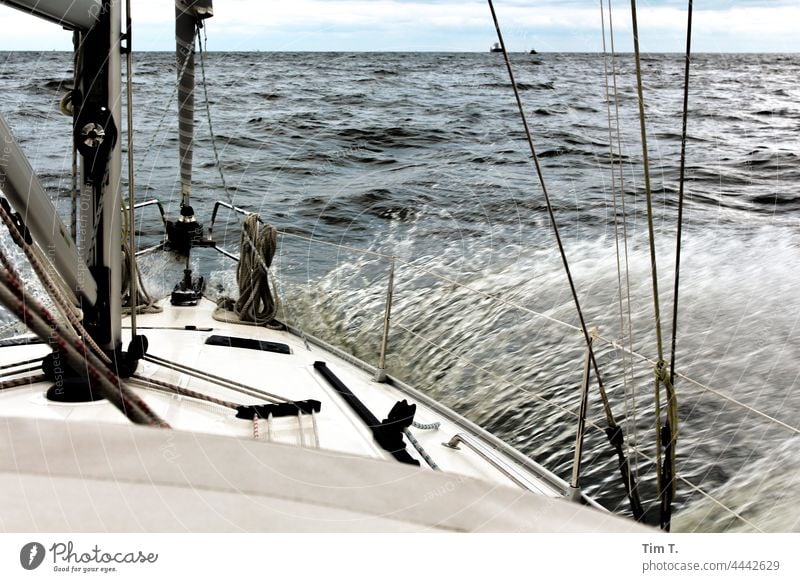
[
  {"x": 76, "y": 14},
  {"x": 19, "y": 184}
]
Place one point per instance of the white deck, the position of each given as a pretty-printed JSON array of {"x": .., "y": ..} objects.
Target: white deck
[{"x": 342, "y": 436}]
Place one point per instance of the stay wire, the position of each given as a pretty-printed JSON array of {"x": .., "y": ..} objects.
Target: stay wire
[
  {"x": 131, "y": 183},
  {"x": 681, "y": 189},
  {"x": 671, "y": 435},
  {"x": 551, "y": 214},
  {"x": 630, "y": 410},
  {"x": 624, "y": 234}
]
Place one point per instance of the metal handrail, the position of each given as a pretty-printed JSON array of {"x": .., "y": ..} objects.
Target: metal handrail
[
  {"x": 146, "y": 203},
  {"x": 155, "y": 201},
  {"x": 551, "y": 480},
  {"x": 214, "y": 211}
]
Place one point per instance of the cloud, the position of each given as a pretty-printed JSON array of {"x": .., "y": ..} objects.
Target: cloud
[{"x": 446, "y": 25}]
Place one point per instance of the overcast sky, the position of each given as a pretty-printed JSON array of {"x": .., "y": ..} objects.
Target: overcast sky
[{"x": 445, "y": 25}]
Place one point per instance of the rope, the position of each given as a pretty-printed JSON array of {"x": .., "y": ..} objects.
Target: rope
[
  {"x": 614, "y": 433},
  {"x": 667, "y": 435},
  {"x": 167, "y": 107},
  {"x": 627, "y": 365},
  {"x": 49, "y": 284},
  {"x": 132, "y": 271},
  {"x": 41, "y": 322},
  {"x": 421, "y": 450},
  {"x": 208, "y": 377},
  {"x": 202, "y": 45},
  {"x": 26, "y": 381},
  {"x": 681, "y": 192},
  {"x": 159, "y": 384},
  {"x": 426, "y": 426},
  {"x": 669, "y": 379},
  {"x": 256, "y": 303}
]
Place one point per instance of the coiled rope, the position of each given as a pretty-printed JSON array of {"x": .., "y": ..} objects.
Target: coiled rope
[{"x": 257, "y": 304}]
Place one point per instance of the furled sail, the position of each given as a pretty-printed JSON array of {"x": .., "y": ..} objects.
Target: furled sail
[{"x": 188, "y": 15}]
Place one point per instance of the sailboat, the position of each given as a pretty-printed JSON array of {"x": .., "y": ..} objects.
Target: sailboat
[{"x": 121, "y": 414}]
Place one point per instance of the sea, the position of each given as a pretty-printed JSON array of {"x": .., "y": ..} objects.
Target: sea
[{"x": 358, "y": 158}]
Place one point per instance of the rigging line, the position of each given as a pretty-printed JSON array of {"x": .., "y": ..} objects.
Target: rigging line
[
  {"x": 651, "y": 238},
  {"x": 671, "y": 428},
  {"x": 208, "y": 377},
  {"x": 167, "y": 106},
  {"x": 589, "y": 422},
  {"x": 552, "y": 217},
  {"x": 624, "y": 225},
  {"x": 681, "y": 186},
  {"x": 75, "y": 192},
  {"x": 17, "y": 382},
  {"x": 131, "y": 184},
  {"x": 41, "y": 322},
  {"x": 648, "y": 190},
  {"x": 630, "y": 419},
  {"x": 161, "y": 385},
  {"x": 712, "y": 390},
  {"x": 49, "y": 284},
  {"x": 202, "y": 44}
]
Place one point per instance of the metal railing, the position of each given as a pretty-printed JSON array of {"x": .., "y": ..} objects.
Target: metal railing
[{"x": 163, "y": 216}]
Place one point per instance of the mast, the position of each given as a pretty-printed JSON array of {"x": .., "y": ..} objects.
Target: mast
[
  {"x": 185, "y": 29},
  {"x": 97, "y": 114}
]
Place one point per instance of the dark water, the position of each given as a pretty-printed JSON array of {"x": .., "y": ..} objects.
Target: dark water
[{"x": 423, "y": 156}]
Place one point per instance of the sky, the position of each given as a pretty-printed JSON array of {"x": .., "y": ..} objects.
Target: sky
[{"x": 446, "y": 25}]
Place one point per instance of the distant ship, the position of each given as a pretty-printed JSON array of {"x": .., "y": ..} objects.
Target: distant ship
[
  {"x": 533, "y": 52},
  {"x": 496, "y": 48}
]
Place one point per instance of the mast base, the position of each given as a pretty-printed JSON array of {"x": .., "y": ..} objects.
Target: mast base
[{"x": 185, "y": 232}]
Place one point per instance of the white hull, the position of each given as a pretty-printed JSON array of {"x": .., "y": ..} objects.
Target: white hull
[{"x": 84, "y": 467}]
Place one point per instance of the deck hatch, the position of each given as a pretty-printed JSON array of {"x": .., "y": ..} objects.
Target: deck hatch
[{"x": 248, "y": 344}]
